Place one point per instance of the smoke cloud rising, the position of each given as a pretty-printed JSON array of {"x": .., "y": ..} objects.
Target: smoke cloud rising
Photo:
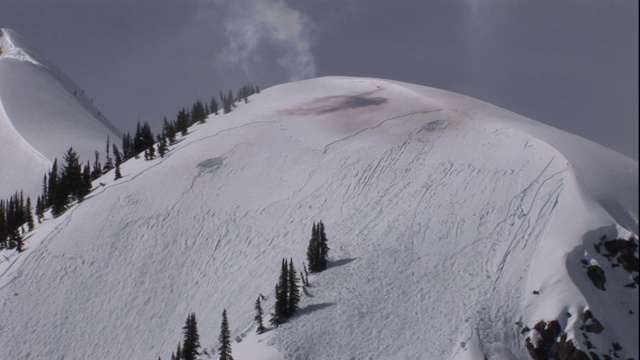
[{"x": 265, "y": 34}]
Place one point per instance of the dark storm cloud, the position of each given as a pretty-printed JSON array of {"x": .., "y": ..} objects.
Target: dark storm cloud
[{"x": 570, "y": 64}]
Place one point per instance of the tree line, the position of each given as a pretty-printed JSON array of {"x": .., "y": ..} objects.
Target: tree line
[{"x": 72, "y": 180}]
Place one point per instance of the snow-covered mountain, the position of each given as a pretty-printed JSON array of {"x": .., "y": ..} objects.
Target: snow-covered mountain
[
  {"x": 458, "y": 230},
  {"x": 42, "y": 113}
]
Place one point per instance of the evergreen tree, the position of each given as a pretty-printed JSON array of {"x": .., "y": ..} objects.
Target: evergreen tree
[
  {"x": 52, "y": 184},
  {"x": 191, "y": 342},
  {"x": 324, "y": 247},
  {"x": 198, "y": 113},
  {"x": 281, "y": 309},
  {"x": 152, "y": 152},
  {"x": 293, "y": 296},
  {"x": 318, "y": 249},
  {"x": 313, "y": 249},
  {"x": 127, "y": 147},
  {"x": 258, "y": 318},
  {"x": 16, "y": 240},
  {"x": 97, "y": 167},
  {"x": 225, "y": 339},
  {"x": 118, "y": 155},
  {"x": 29, "y": 215},
  {"x": 118, "y": 174},
  {"x": 4, "y": 230},
  {"x": 162, "y": 144},
  {"x": 86, "y": 182},
  {"x": 39, "y": 211},
  {"x": 168, "y": 129},
  {"x": 119, "y": 160},
  {"x": 71, "y": 175},
  {"x": 182, "y": 122},
  {"x": 213, "y": 107},
  {"x": 143, "y": 138},
  {"x": 108, "y": 165},
  {"x": 44, "y": 196}
]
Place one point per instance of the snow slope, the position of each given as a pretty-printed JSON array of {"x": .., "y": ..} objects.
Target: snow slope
[
  {"x": 42, "y": 113},
  {"x": 444, "y": 214}
]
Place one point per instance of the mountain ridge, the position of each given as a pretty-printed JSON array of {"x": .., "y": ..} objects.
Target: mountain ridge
[
  {"x": 451, "y": 230},
  {"x": 44, "y": 109}
]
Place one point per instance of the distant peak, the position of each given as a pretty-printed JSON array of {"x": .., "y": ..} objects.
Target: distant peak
[{"x": 12, "y": 47}]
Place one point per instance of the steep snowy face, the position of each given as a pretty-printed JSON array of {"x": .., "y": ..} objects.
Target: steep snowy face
[
  {"x": 456, "y": 229},
  {"x": 42, "y": 113}
]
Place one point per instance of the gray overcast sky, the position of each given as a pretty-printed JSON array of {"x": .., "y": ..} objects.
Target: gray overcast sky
[{"x": 570, "y": 64}]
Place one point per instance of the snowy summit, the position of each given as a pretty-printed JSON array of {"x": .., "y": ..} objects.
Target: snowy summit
[{"x": 457, "y": 230}]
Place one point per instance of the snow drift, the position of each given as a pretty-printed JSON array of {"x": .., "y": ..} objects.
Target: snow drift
[
  {"x": 42, "y": 113},
  {"x": 458, "y": 230}
]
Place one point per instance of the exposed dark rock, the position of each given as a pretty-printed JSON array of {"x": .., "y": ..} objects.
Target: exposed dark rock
[
  {"x": 550, "y": 347},
  {"x": 548, "y": 332},
  {"x": 552, "y": 343},
  {"x": 591, "y": 324},
  {"x": 623, "y": 251},
  {"x": 565, "y": 350},
  {"x": 594, "y": 326},
  {"x": 597, "y": 276}
]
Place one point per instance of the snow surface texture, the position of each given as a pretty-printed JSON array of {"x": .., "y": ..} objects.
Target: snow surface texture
[
  {"x": 42, "y": 113},
  {"x": 443, "y": 215}
]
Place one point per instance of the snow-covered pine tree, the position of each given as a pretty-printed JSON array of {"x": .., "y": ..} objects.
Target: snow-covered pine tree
[
  {"x": 108, "y": 165},
  {"x": 258, "y": 318},
  {"x": 29, "y": 214},
  {"x": 313, "y": 250},
  {"x": 86, "y": 186},
  {"x": 324, "y": 247},
  {"x": 293, "y": 296},
  {"x": 162, "y": 144},
  {"x": 281, "y": 306},
  {"x": 225, "y": 338},
  {"x": 191, "y": 342},
  {"x": 39, "y": 210}
]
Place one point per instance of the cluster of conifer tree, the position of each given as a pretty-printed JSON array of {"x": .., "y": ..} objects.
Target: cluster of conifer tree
[
  {"x": 63, "y": 185},
  {"x": 144, "y": 140},
  {"x": 72, "y": 181},
  {"x": 318, "y": 250},
  {"x": 190, "y": 347},
  {"x": 14, "y": 213},
  {"x": 287, "y": 300},
  {"x": 287, "y": 290},
  {"x": 287, "y": 294}
]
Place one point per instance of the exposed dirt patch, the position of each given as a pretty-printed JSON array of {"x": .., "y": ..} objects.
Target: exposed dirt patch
[{"x": 331, "y": 104}]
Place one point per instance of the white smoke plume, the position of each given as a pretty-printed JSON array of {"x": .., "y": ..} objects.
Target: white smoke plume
[{"x": 262, "y": 32}]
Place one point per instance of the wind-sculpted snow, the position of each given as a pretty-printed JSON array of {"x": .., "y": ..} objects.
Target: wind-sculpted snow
[{"x": 443, "y": 218}]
